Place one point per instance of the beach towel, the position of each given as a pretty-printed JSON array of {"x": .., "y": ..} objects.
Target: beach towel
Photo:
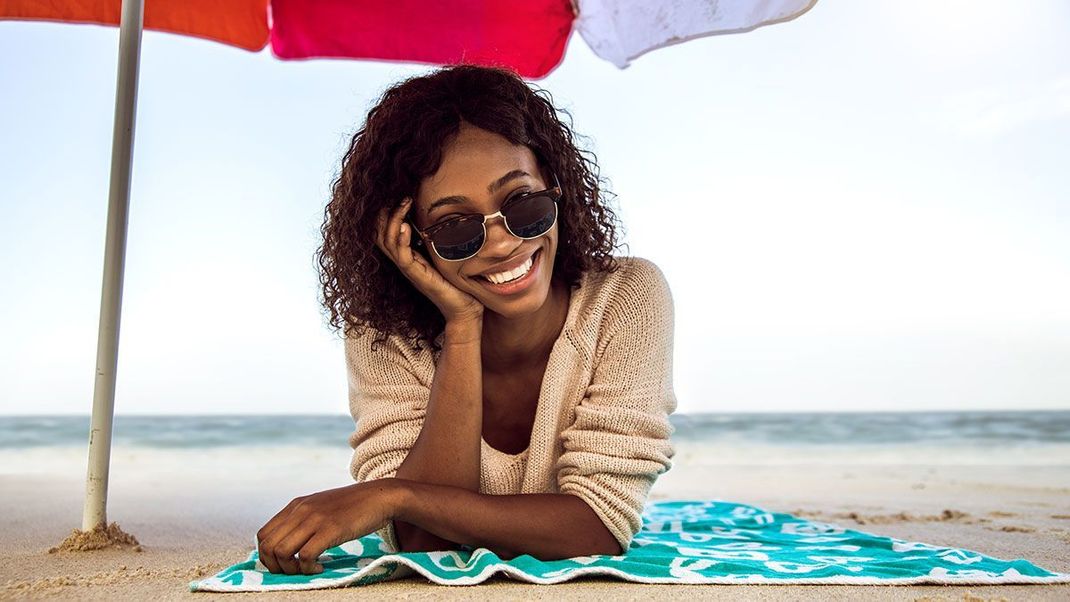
[{"x": 681, "y": 542}]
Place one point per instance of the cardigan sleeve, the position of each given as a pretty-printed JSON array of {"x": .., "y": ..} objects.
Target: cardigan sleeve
[
  {"x": 388, "y": 401},
  {"x": 619, "y": 442}
]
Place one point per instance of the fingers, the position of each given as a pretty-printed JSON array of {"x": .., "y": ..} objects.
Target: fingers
[
  {"x": 278, "y": 519},
  {"x": 310, "y": 552},
  {"x": 278, "y": 554},
  {"x": 405, "y": 254},
  {"x": 299, "y": 550},
  {"x": 298, "y": 539},
  {"x": 271, "y": 539},
  {"x": 388, "y": 233}
]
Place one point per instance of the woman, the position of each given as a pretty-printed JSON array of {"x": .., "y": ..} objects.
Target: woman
[{"x": 510, "y": 379}]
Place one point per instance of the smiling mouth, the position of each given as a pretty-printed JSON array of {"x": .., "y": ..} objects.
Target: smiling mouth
[
  {"x": 532, "y": 257},
  {"x": 518, "y": 284}
]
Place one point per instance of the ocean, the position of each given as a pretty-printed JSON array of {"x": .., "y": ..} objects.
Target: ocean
[{"x": 59, "y": 443}]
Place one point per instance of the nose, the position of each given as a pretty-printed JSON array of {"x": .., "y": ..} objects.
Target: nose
[{"x": 500, "y": 241}]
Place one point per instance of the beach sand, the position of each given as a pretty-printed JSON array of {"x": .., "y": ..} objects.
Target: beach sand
[{"x": 193, "y": 521}]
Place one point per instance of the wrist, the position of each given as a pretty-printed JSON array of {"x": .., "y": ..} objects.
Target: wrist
[{"x": 464, "y": 330}]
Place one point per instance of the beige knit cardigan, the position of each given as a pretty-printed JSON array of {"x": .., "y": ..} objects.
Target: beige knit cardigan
[{"x": 601, "y": 428}]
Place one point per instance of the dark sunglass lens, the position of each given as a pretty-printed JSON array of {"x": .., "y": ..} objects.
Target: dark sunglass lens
[
  {"x": 531, "y": 216},
  {"x": 459, "y": 239}
]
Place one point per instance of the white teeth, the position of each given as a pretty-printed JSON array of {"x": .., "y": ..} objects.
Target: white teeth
[{"x": 519, "y": 271}]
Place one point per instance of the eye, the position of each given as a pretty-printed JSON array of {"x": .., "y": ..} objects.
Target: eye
[
  {"x": 449, "y": 218},
  {"x": 518, "y": 194}
]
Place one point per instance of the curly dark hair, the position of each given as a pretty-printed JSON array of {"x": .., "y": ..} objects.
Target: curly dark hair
[{"x": 400, "y": 144}]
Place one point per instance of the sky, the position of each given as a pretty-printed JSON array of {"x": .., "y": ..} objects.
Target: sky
[{"x": 864, "y": 209}]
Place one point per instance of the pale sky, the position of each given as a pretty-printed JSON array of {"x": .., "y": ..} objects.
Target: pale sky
[{"x": 866, "y": 208}]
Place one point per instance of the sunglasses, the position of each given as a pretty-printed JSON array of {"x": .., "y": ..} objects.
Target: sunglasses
[{"x": 526, "y": 216}]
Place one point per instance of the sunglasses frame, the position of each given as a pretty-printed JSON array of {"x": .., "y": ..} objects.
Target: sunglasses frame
[{"x": 553, "y": 192}]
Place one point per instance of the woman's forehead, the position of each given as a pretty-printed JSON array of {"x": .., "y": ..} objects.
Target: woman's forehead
[
  {"x": 473, "y": 147},
  {"x": 478, "y": 170}
]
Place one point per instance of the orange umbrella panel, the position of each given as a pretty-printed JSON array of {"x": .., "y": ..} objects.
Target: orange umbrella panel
[{"x": 241, "y": 23}]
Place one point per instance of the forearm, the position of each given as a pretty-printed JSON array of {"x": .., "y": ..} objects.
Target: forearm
[
  {"x": 549, "y": 526},
  {"x": 447, "y": 451}
]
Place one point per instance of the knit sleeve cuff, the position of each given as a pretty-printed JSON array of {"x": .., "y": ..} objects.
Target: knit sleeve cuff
[{"x": 603, "y": 495}]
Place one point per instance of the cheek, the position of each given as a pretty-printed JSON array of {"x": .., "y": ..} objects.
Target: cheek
[{"x": 450, "y": 271}]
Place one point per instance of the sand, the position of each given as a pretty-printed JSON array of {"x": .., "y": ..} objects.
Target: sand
[{"x": 189, "y": 527}]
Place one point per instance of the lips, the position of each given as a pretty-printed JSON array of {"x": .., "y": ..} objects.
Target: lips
[
  {"x": 520, "y": 284},
  {"x": 507, "y": 267}
]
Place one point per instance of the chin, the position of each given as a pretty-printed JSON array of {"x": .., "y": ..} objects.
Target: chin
[{"x": 525, "y": 302}]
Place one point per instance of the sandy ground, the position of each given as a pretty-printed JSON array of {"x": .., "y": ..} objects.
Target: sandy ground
[{"x": 193, "y": 529}]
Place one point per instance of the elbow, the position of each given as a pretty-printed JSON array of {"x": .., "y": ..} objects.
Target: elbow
[
  {"x": 595, "y": 541},
  {"x": 571, "y": 551},
  {"x": 607, "y": 548},
  {"x": 411, "y": 538},
  {"x": 590, "y": 549},
  {"x": 598, "y": 542}
]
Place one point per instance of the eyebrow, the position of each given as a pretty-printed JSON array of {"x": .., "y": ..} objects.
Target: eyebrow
[{"x": 493, "y": 187}]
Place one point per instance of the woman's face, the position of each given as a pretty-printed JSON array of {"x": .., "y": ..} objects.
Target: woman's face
[{"x": 482, "y": 170}]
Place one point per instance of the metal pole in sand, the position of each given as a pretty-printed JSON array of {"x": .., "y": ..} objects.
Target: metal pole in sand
[{"x": 122, "y": 147}]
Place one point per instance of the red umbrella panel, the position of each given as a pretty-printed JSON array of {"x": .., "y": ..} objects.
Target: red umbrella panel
[{"x": 529, "y": 36}]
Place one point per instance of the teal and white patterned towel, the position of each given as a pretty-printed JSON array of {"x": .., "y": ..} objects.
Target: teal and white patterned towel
[{"x": 681, "y": 542}]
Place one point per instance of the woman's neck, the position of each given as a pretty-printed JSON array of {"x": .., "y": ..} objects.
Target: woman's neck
[{"x": 508, "y": 344}]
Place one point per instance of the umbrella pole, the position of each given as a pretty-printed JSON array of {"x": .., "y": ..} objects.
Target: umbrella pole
[{"x": 96, "y": 483}]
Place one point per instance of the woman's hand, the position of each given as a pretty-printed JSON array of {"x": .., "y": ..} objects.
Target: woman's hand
[
  {"x": 393, "y": 238},
  {"x": 310, "y": 524}
]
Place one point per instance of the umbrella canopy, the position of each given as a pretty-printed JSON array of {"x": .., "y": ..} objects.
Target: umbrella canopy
[{"x": 529, "y": 36}]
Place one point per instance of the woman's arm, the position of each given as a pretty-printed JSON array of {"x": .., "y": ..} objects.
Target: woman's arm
[
  {"x": 549, "y": 526},
  {"x": 619, "y": 442},
  {"x": 447, "y": 452}
]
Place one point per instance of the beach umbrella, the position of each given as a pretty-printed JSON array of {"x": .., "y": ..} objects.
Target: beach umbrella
[{"x": 529, "y": 36}]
